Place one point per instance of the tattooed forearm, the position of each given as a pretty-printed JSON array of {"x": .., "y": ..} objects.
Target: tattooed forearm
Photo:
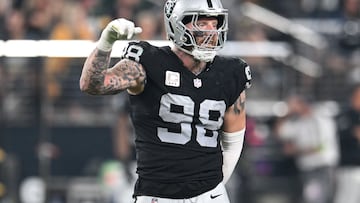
[
  {"x": 97, "y": 71},
  {"x": 92, "y": 76},
  {"x": 98, "y": 79},
  {"x": 239, "y": 105}
]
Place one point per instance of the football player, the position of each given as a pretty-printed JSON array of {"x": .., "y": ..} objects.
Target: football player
[{"x": 187, "y": 103}]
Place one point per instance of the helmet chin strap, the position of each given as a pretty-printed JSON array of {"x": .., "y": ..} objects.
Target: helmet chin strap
[{"x": 202, "y": 55}]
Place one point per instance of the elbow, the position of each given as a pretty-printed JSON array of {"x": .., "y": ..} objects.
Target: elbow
[{"x": 84, "y": 87}]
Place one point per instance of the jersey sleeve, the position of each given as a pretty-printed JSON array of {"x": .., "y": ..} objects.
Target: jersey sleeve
[
  {"x": 245, "y": 75},
  {"x": 139, "y": 51},
  {"x": 242, "y": 76}
]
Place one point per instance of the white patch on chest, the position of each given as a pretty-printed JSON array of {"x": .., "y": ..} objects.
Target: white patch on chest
[{"x": 172, "y": 79}]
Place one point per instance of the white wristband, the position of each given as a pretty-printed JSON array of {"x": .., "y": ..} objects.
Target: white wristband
[
  {"x": 104, "y": 45},
  {"x": 232, "y": 144}
]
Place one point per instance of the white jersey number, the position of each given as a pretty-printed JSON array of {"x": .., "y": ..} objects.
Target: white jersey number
[
  {"x": 180, "y": 110},
  {"x": 133, "y": 52}
]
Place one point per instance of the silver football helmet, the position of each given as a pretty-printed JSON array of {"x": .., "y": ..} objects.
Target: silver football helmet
[{"x": 177, "y": 13}]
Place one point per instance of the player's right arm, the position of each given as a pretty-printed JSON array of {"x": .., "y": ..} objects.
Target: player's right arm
[{"x": 97, "y": 78}]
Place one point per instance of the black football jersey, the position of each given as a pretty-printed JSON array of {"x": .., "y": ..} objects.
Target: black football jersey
[{"x": 178, "y": 118}]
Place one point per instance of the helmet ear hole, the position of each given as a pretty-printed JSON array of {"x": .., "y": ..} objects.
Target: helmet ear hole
[{"x": 185, "y": 39}]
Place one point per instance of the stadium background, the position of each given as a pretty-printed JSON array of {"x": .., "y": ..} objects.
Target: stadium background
[{"x": 52, "y": 131}]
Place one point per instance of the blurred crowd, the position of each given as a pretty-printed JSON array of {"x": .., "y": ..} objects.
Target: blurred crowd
[
  {"x": 52, "y": 80},
  {"x": 312, "y": 134}
]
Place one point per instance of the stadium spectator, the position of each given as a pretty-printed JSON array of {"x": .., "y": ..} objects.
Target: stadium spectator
[
  {"x": 351, "y": 9},
  {"x": 149, "y": 21},
  {"x": 74, "y": 24},
  {"x": 15, "y": 25},
  {"x": 20, "y": 82},
  {"x": 350, "y": 20},
  {"x": 311, "y": 139},
  {"x": 39, "y": 18},
  {"x": 125, "y": 9},
  {"x": 320, "y": 8},
  {"x": 348, "y": 185},
  {"x": 4, "y": 8},
  {"x": 354, "y": 74}
]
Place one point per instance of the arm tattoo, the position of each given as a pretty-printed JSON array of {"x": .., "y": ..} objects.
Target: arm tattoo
[
  {"x": 101, "y": 80},
  {"x": 239, "y": 105},
  {"x": 100, "y": 62},
  {"x": 123, "y": 75}
]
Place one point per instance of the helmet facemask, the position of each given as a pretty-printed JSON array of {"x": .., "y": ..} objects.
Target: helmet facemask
[
  {"x": 203, "y": 44},
  {"x": 200, "y": 43}
]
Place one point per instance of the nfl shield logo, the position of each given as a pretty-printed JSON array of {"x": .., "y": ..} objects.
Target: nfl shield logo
[
  {"x": 154, "y": 200},
  {"x": 197, "y": 83}
]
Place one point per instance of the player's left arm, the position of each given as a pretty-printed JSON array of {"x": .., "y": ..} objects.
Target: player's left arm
[
  {"x": 233, "y": 135},
  {"x": 235, "y": 116}
]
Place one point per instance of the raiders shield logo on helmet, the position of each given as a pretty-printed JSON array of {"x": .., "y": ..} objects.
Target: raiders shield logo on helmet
[{"x": 169, "y": 7}]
